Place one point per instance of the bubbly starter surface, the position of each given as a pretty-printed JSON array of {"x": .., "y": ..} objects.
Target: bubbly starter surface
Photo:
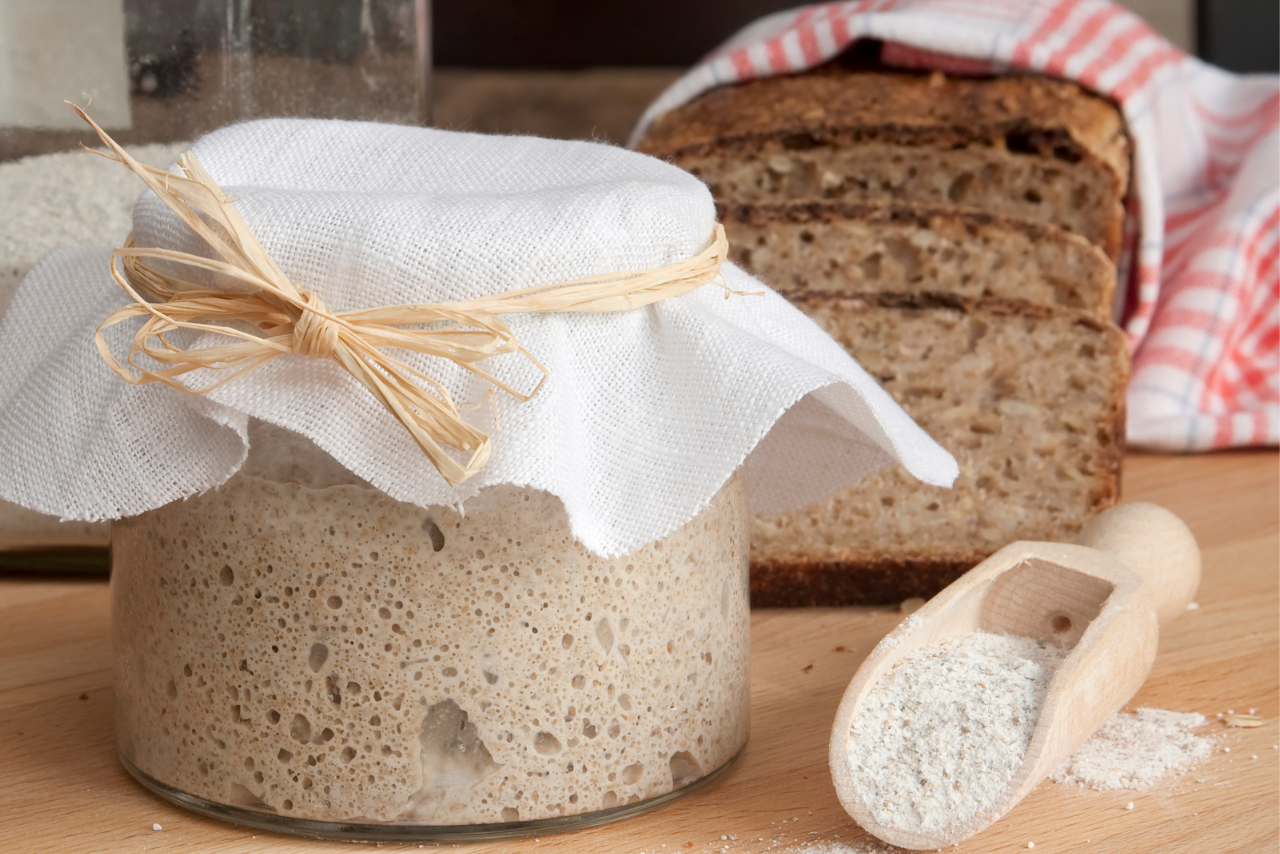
[{"x": 328, "y": 653}]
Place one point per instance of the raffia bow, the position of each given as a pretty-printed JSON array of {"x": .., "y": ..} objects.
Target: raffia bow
[{"x": 288, "y": 319}]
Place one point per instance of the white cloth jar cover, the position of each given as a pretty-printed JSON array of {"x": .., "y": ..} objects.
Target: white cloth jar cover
[{"x": 645, "y": 413}]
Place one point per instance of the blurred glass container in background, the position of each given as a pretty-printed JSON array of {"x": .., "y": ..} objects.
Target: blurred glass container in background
[{"x": 168, "y": 70}]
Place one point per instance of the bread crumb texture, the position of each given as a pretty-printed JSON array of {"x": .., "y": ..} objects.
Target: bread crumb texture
[{"x": 1030, "y": 405}]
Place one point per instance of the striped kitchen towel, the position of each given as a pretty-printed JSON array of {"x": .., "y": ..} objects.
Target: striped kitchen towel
[{"x": 1203, "y": 301}]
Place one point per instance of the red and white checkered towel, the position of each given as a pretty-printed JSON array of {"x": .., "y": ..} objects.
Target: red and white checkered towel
[{"x": 1202, "y": 307}]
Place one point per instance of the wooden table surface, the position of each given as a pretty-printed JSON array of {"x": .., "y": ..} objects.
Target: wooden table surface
[{"x": 61, "y": 788}]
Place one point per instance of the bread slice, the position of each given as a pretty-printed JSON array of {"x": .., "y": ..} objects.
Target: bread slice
[
  {"x": 1029, "y": 147},
  {"x": 847, "y": 248},
  {"x": 1030, "y": 401}
]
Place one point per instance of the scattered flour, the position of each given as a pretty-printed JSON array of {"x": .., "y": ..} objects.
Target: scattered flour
[
  {"x": 1136, "y": 751},
  {"x": 936, "y": 742},
  {"x": 827, "y": 847},
  {"x": 906, "y": 627}
]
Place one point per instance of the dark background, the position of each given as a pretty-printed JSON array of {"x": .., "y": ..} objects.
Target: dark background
[
  {"x": 1240, "y": 35},
  {"x": 573, "y": 69}
]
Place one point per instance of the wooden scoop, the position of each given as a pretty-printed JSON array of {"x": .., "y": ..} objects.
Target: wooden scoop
[{"x": 1133, "y": 567}]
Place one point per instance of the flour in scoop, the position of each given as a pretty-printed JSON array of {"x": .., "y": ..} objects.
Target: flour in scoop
[{"x": 934, "y": 744}]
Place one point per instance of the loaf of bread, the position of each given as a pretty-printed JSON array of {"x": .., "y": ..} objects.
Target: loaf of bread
[
  {"x": 1029, "y": 147},
  {"x": 957, "y": 235},
  {"x": 1028, "y": 399},
  {"x": 847, "y": 248}
]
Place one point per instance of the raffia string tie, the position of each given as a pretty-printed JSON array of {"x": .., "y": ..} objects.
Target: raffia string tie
[
  {"x": 266, "y": 316},
  {"x": 314, "y": 334}
]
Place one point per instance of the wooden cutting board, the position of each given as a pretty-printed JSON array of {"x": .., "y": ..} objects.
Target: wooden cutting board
[{"x": 62, "y": 790}]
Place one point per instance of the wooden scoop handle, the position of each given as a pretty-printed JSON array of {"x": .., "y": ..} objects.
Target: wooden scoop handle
[{"x": 1156, "y": 546}]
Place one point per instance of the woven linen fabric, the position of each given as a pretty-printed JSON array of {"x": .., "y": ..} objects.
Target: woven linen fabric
[
  {"x": 1202, "y": 307},
  {"x": 645, "y": 413}
]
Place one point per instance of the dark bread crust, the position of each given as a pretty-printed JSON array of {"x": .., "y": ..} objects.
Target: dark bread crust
[
  {"x": 1041, "y": 129},
  {"x": 833, "y": 105},
  {"x": 812, "y": 583}
]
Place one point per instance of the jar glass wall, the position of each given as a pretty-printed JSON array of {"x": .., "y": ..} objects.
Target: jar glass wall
[{"x": 296, "y": 650}]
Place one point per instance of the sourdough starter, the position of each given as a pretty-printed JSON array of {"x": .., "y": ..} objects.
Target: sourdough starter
[{"x": 320, "y": 650}]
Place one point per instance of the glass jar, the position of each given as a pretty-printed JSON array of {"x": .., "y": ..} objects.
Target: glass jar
[
  {"x": 297, "y": 651},
  {"x": 172, "y": 70}
]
